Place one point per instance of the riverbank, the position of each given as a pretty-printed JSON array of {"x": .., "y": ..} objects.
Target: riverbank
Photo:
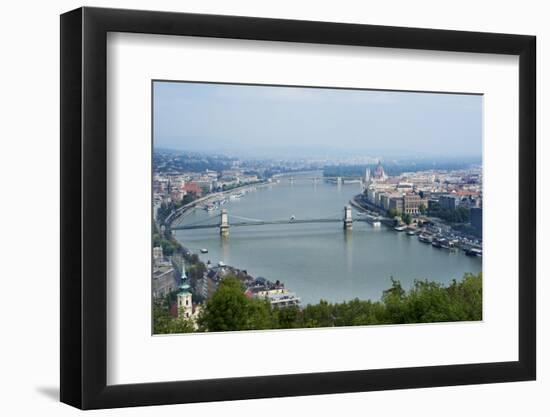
[
  {"x": 220, "y": 194},
  {"x": 357, "y": 204},
  {"x": 213, "y": 196},
  {"x": 431, "y": 234}
]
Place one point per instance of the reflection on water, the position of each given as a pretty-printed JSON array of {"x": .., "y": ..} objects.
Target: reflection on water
[{"x": 320, "y": 260}]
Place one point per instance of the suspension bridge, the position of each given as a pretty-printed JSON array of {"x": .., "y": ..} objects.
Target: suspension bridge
[{"x": 238, "y": 221}]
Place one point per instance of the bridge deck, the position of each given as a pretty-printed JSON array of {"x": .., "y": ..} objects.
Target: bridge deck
[{"x": 266, "y": 222}]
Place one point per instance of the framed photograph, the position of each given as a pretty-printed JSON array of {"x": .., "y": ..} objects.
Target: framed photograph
[{"x": 261, "y": 208}]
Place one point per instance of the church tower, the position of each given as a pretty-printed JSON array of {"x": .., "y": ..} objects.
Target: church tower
[
  {"x": 367, "y": 176},
  {"x": 185, "y": 301}
]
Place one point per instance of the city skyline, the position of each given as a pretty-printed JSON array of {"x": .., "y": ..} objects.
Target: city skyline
[{"x": 284, "y": 122}]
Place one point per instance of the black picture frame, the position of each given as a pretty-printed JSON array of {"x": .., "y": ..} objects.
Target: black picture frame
[{"x": 84, "y": 207}]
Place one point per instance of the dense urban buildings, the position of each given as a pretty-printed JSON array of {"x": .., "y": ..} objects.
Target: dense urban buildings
[
  {"x": 164, "y": 275},
  {"x": 423, "y": 192}
]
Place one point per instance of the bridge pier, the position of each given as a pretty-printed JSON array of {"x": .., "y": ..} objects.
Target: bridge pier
[
  {"x": 348, "y": 221},
  {"x": 224, "y": 224}
]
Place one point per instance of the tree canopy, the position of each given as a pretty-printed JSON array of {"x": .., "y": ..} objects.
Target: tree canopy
[
  {"x": 230, "y": 309},
  {"x": 164, "y": 323},
  {"x": 458, "y": 215}
]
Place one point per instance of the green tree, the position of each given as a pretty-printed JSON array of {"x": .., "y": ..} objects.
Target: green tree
[
  {"x": 230, "y": 309},
  {"x": 168, "y": 247},
  {"x": 422, "y": 209},
  {"x": 463, "y": 214},
  {"x": 434, "y": 209},
  {"x": 260, "y": 315},
  {"x": 188, "y": 198},
  {"x": 426, "y": 302},
  {"x": 164, "y": 323},
  {"x": 227, "y": 309},
  {"x": 394, "y": 299},
  {"x": 318, "y": 315},
  {"x": 407, "y": 218},
  {"x": 466, "y": 297},
  {"x": 196, "y": 271},
  {"x": 458, "y": 215},
  {"x": 288, "y": 318},
  {"x": 355, "y": 313}
]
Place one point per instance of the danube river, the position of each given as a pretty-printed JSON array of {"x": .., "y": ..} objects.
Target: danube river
[{"x": 319, "y": 260}]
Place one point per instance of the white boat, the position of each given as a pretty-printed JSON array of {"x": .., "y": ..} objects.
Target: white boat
[
  {"x": 425, "y": 238},
  {"x": 399, "y": 228},
  {"x": 204, "y": 250},
  {"x": 474, "y": 252},
  {"x": 376, "y": 223},
  {"x": 437, "y": 244}
]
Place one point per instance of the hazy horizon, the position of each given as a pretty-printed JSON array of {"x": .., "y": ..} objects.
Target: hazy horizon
[{"x": 301, "y": 122}]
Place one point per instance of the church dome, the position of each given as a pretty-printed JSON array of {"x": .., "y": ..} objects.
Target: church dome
[{"x": 379, "y": 171}]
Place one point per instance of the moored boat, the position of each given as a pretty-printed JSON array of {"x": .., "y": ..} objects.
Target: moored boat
[
  {"x": 436, "y": 244},
  {"x": 474, "y": 252},
  {"x": 425, "y": 238},
  {"x": 440, "y": 243}
]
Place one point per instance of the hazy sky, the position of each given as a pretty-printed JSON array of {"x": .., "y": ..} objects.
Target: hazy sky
[{"x": 287, "y": 121}]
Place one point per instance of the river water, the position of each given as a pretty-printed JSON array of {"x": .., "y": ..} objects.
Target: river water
[{"x": 319, "y": 260}]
